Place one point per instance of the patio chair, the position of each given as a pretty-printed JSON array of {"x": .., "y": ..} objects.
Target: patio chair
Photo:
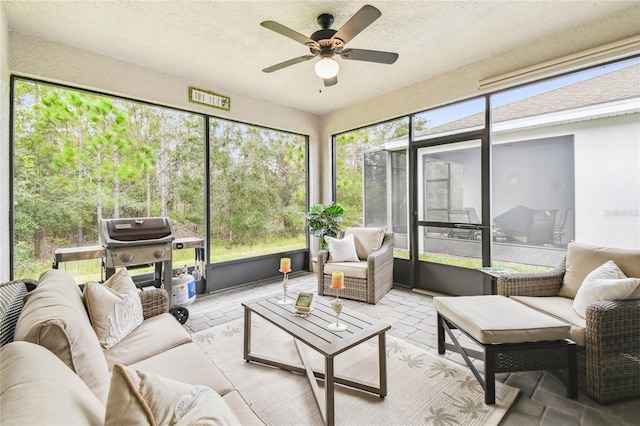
[
  {"x": 608, "y": 336},
  {"x": 367, "y": 279}
]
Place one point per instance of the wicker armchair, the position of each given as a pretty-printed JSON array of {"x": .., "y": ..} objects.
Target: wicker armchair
[
  {"x": 379, "y": 273},
  {"x": 609, "y": 360}
]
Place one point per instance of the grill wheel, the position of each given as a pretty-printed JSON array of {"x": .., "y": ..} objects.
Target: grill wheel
[{"x": 180, "y": 313}]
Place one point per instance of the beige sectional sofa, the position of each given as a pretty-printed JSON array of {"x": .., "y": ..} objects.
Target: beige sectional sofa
[{"x": 57, "y": 372}]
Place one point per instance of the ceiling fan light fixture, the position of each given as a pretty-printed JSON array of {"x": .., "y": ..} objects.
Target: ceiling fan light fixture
[{"x": 327, "y": 68}]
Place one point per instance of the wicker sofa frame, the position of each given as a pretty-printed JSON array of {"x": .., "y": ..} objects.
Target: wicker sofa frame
[
  {"x": 609, "y": 363},
  {"x": 379, "y": 275}
]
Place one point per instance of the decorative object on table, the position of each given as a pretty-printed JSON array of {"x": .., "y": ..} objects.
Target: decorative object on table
[
  {"x": 285, "y": 268},
  {"x": 325, "y": 220},
  {"x": 304, "y": 304},
  {"x": 337, "y": 283}
]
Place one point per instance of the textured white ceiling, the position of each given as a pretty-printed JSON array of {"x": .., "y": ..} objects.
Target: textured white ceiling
[{"x": 222, "y": 44}]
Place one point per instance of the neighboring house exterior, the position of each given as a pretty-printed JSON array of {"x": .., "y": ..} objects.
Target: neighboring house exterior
[{"x": 572, "y": 151}]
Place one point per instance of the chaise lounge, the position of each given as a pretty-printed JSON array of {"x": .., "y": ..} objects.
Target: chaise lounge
[{"x": 608, "y": 335}]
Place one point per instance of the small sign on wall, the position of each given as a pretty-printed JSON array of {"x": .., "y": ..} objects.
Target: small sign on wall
[{"x": 204, "y": 97}]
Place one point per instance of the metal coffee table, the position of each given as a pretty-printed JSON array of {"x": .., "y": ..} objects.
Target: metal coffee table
[{"x": 313, "y": 332}]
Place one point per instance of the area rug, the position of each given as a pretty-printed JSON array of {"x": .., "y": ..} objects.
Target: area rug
[{"x": 423, "y": 388}]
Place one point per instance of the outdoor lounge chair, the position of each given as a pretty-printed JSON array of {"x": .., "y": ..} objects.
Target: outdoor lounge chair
[{"x": 366, "y": 280}]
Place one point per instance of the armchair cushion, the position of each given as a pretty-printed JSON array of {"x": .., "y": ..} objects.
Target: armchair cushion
[
  {"x": 583, "y": 258},
  {"x": 606, "y": 282},
  {"x": 367, "y": 240},
  {"x": 342, "y": 250},
  {"x": 350, "y": 269}
]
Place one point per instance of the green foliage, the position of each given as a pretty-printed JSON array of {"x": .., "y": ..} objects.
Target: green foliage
[
  {"x": 325, "y": 220},
  {"x": 80, "y": 157}
]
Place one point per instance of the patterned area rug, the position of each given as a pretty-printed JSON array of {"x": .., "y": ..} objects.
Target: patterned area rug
[{"x": 423, "y": 388}]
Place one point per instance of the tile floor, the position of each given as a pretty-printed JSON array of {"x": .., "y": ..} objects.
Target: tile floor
[{"x": 413, "y": 318}]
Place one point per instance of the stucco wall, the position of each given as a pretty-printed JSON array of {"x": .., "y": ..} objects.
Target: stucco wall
[{"x": 4, "y": 147}]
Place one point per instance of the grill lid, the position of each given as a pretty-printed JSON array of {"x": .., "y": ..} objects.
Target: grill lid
[{"x": 145, "y": 230}]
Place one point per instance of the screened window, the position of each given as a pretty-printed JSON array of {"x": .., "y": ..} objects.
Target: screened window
[
  {"x": 257, "y": 189},
  {"x": 80, "y": 157}
]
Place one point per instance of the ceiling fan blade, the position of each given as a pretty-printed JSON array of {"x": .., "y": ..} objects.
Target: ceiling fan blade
[
  {"x": 358, "y": 22},
  {"x": 290, "y": 62},
  {"x": 330, "y": 81},
  {"x": 287, "y": 32},
  {"x": 369, "y": 56}
]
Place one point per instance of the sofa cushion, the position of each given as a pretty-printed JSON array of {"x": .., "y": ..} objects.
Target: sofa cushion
[
  {"x": 350, "y": 269},
  {"x": 368, "y": 240},
  {"x": 11, "y": 295},
  {"x": 139, "y": 397},
  {"x": 187, "y": 363},
  {"x": 560, "y": 308},
  {"x": 583, "y": 258},
  {"x": 155, "y": 335},
  {"x": 114, "y": 308},
  {"x": 607, "y": 282},
  {"x": 243, "y": 409},
  {"x": 342, "y": 250},
  {"x": 37, "y": 388},
  {"x": 54, "y": 316}
]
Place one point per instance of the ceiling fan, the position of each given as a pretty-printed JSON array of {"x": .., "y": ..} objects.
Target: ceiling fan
[{"x": 327, "y": 43}]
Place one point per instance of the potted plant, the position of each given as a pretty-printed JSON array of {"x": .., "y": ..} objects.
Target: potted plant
[{"x": 325, "y": 220}]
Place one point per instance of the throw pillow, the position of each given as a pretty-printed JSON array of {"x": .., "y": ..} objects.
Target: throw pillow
[
  {"x": 583, "y": 258},
  {"x": 367, "y": 240},
  {"x": 606, "y": 282},
  {"x": 138, "y": 397},
  {"x": 342, "y": 250},
  {"x": 115, "y": 308}
]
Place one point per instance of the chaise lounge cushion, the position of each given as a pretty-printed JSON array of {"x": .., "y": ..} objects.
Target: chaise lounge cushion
[
  {"x": 54, "y": 316},
  {"x": 583, "y": 258},
  {"x": 495, "y": 319},
  {"x": 560, "y": 308},
  {"x": 39, "y": 389}
]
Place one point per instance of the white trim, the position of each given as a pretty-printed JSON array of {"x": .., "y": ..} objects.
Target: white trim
[
  {"x": 598, "y": 55},
  {"x": 589, "y": 112}
]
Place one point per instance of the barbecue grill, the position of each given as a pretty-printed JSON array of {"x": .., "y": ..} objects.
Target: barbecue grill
[{"x": 134, "y": 242}]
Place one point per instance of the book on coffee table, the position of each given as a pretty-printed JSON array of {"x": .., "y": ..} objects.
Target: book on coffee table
[{"x": 304, "y": 303}]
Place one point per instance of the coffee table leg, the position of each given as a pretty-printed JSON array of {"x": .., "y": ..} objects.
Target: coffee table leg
[
  {"x": 440, "y": 328},
  {"x": 247, "y": 333},
  {"x": 382, "y": 355},
  {"x": 329, "y": 391}
]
